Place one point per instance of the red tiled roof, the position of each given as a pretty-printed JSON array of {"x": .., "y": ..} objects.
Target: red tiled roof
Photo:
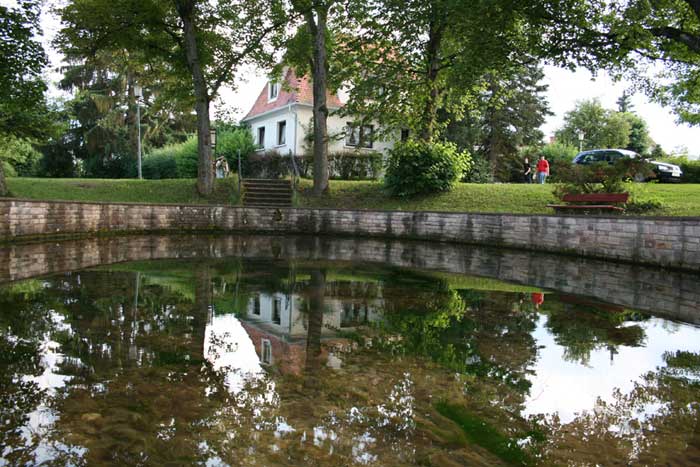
[{"x": 293, "y": 91}]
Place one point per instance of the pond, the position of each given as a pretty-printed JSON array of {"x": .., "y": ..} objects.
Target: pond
[{"x": 232, "y": 350}]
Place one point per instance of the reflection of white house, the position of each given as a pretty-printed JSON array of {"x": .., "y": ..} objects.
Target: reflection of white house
[
  {"x": 282, "y": 314},
  {"x": 282, "y": 117}
]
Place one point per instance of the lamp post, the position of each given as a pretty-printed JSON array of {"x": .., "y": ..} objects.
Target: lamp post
[
  {"x": 212, "y": 140},
  {"x": 581, "y": 135},
  {"x": 138, "y": 93}
]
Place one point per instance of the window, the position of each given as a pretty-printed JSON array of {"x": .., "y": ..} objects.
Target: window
[
  {"x": 261, "y": 137},
  {"x": 361, "y": 136},
  {"x": 404, "y": 134},
  {"x": 277, "y": 311},
  {"x": 266, "y": 352},
  {"x": 281, "y": 132},
  {"x": 256, "y": 305},
  {"x": 273, "y": 91}
]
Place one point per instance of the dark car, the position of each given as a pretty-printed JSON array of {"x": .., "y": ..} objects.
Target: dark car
[{"x": 664, "y": 171}]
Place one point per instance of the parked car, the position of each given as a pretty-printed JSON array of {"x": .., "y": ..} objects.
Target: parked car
[{"x": 664, "y": 171}]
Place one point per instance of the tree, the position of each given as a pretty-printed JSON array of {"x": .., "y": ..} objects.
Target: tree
[
  {"x": 203, "y": 43},
  {"x": 22, "y": 106},
  {"x": 639, "y": 139},
  {"x": 602, "y": 128},
  {"x": 414, "y": 59},
  {"x": 624, "y": 103},
  {"x": 666, "y": 32},
  {"x": 507, "y": 117},
  {"x": 314, "y": 36}
]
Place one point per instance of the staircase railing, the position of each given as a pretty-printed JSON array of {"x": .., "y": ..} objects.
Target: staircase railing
[
  {"x": 295, "y": 171},
  {"x": 240, "y": 173}
]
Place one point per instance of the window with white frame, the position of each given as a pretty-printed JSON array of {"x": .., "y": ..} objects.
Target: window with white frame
[
  {"x": 266, "y": 352},
  {"x": 256, "y": 305},
  {"x": 261, "y": 137},
  {"x": 277, "y": 311},
  {"x": 273, "y": 91},
  {"x": 359, "y": 136},
  {"x": 281, "y": 133}
]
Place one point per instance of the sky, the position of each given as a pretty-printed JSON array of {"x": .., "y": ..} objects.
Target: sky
[{"x": 566, "y": 88}]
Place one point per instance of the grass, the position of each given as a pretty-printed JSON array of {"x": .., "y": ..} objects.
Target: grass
[
  {"x": 181, "y": 191},
  {"x": 677, "y": 199}
]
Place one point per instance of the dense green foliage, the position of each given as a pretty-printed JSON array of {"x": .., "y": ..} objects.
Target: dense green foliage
[
  {"x": 421, "y": 168},
  {"x": 602, "y": 128},
  {"x": 506, "y": 116},
  {"x": 22, "y": 107},
  {"x": 19, "y": 157},
  {"x": 172, "y": 161}
]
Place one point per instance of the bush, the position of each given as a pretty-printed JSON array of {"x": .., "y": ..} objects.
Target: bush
[
  {"x": 159, "y": 167},
  {"x": 690, "y": 168},
  {"x": 601, "y": 178},
  {"x": 229, "y": 142},
  {"x": 346, "y": 165},
  {"x": 269, "y": 164},
  {"x": 560, "y": 157},
  {"x": 479, "y": 172},
  {"x": 19, "y": 157},
  {"x": 418, "y": 167},
  {"x": 184, "y": 156},
  {"x": 341, "y": 165}
]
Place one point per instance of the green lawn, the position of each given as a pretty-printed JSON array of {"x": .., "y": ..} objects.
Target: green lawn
[
  {"x": 677, "y": 200},
  {"x": 183, "y": 191}
]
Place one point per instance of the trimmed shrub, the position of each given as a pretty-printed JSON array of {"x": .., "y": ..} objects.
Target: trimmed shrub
[
  {"x": 159, "y": 166},
  {"x": 419, "y": 168},
  {"x": 184, "y": 156},
  {"x": 269, "y": 164},
  {"x": 346, "y": 165}
]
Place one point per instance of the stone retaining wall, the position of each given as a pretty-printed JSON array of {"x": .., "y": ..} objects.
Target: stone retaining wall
[
  {"x": 672, "y": 294},
  {"x": 672, "y": 242}
]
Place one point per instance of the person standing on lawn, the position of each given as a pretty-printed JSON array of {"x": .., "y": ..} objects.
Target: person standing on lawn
[
  {"x": 527, "y": 171},
  {"x": 542, "y": 170}
]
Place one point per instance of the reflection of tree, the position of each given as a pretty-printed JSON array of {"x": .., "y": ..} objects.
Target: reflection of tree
[
  {"x": 25, "y": 322},
  {"x": 581, "y": 329},
  {"x": 657, "y": 423}
]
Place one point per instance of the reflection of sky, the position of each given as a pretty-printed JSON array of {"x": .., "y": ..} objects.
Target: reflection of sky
[
  {"x": 228, "y": 348},
  {"x": 42, "y": 419},
  {"x": 571, "y": 387}
]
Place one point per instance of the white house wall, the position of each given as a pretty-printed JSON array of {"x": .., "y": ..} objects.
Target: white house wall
[{"x": 298, "y": 122}]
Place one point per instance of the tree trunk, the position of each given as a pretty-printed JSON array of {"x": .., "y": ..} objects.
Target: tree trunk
[
  {"x": 3, "y": 185},
  {"x": 317, "y": 289},
  {"x": 320, "y": 86},
  {"x": 431, "y": 99},
  {"x": 205, "y": 171},
  {"x": 131, "y": 122}
]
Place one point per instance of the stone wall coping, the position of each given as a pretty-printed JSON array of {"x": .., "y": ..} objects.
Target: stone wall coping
[{"x": 493, "y": 214}]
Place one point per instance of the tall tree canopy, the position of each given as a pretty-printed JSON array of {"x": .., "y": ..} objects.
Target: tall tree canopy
[
  {"x": 602, "y": 128},
  {"x": 198, "y": 44},
  {"x": 507, "y": 116},
  {"x": 22, "y": 106}
]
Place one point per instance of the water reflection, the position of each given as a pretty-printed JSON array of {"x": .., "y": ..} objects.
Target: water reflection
[{"x": 270, "y": 361}]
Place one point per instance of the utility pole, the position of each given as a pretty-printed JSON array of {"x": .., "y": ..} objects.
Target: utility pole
[{"x": 138, "y": 92}]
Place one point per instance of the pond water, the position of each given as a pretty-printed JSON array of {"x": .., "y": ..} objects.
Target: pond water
[{"x": 270, "y": 351}]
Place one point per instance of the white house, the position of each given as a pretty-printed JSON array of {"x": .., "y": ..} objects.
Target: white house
[{"x": 282, "y": 116}]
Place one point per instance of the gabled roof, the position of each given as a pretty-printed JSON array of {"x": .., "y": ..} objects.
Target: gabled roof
[{"x": 293, "y": 91}]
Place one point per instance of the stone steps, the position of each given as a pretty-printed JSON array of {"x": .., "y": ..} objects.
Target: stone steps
[{"x": 267, "y": 193}]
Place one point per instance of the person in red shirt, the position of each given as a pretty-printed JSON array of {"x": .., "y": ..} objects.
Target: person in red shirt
[
  {"x": 537, "y": 299},
  {"x": 542, "y": 170}
]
